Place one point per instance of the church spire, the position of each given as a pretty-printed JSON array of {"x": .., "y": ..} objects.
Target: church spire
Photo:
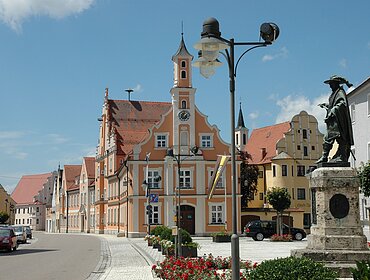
[{"x": 240, "y": 118}]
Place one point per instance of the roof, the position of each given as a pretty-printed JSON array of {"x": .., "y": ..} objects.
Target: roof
[
  {"x": 70, "y": 174},
  {"x": 240, "y": 118},
  {"x": 181, "y": 51},
  {"x": 262, "y": 142},
  {"x": 367, "y": 80},
  {"x": 90, "y": 166},
  {"x": 132, "y": 119},
  {"x": 29, "y": 186}
]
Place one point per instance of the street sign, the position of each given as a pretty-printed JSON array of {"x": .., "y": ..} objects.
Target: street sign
[
  {"x": 154, "y": 197},
  {"x": 174, "y": 230}
]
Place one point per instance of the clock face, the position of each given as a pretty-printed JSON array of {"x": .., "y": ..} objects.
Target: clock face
[{"x": 184, "y": 115}]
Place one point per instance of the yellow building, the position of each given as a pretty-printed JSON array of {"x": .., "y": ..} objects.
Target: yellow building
[
  {"x": 284, "y": 154},
  {"x": 7, "y": 204}
]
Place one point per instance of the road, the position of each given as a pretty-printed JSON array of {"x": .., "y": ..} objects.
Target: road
[{"x": 52, "y": 257}]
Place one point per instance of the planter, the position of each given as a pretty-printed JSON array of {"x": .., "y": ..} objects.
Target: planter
[
  {"x": 159, "y": 247},
  {"x": 170, "y": 251},
  {"x": 221, "y": 238},
  {"x": 155, "y": 245},
  {"x": 150, "y": 242},
  {"x": 191, "y": 252}
]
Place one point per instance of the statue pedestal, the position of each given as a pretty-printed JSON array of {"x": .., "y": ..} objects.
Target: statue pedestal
[{"x": 336, "y": 237}]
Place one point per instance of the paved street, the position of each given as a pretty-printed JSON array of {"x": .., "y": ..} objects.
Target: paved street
[{"x": 52, "y": 256}]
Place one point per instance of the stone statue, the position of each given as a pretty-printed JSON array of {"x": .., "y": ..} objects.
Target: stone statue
[{"x": 338, "y": 122}]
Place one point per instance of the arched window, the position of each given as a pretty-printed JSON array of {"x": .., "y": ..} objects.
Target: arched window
[
  {"x": 183, "y": 64},
  {"x": 183, "y": 104},
  {"x": 183, "y": 74}
]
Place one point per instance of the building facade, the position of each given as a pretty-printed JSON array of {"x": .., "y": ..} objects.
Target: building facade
[
  {"x": 30, "y": 204},
  {"x": 284, "y": 153},
  {"x": 359, "y": 103},
  {"x": 7, "y": 205},
  {"x": 141, "y": 141}
]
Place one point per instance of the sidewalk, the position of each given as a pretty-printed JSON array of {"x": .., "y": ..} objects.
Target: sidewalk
[{"x": 132, "y": 258}]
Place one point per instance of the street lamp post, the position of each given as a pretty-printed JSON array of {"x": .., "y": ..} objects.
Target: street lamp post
[
  {"x": 210, "y": 45},
  {"x": 194, "y": 151}
]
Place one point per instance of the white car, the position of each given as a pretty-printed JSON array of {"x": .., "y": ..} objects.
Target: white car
[{"x": 20, "y": 232}]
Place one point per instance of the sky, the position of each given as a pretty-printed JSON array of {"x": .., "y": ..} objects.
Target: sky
[{"x": 57, "y": 58}]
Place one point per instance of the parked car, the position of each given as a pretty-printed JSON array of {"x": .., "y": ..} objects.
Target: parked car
[
  {"x": 259, "y": 230},
  {"x": 8, "y": 239},
  {"x": 20, "y": 232},
  {"x": 28, "y": 232}
]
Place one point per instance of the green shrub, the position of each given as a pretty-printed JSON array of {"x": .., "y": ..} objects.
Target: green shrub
[
  {"x": 362, "y": 271},
  {"x": 158, "y": 230},
  {"x": 290, "y": 268},
  {"x": 167, "y": 234},
  {"x": 185, "y": 236}
]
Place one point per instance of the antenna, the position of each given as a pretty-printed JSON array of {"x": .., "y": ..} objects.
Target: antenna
[{"x": 129, "y": 90}]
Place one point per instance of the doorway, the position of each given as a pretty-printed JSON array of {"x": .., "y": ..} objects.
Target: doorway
[{"x": 188, "y": 218}]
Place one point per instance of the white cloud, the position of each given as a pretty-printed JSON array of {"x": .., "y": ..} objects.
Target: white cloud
[
  {"x": 293, "y": 104},
  {"x": 56, "y": 138},
  {"x": 14, "y": 12},
  {"x": 11, "y": 134},
  {"x": 253, "y": 115},
  {"x": 138, "y": 88},
  {"x": 343, "y": 63},
  {"x": 283, "y": 53}
]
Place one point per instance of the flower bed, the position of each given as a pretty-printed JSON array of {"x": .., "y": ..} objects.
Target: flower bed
[
  {"x": 198, "y": 268},
  {"x": 283, "y": 238}
]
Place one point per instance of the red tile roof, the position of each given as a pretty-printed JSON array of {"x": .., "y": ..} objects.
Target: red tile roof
[
  {"x": 262, "y": 142},
  {"x": 90, "y": 166},
  {"x": 70, "y": 174},
  {"x": 29, "y": 186},
  {"x": 132, "y": 119}
]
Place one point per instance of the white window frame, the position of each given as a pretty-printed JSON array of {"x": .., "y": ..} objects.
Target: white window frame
[
  {"x": 222, "y": 182},
  {"x": 152, "y": 173},
  {"x": 189, "y": 176},
  {"x": 156, "y": 214},
  {"x": 161, "y": 143},
  {"x": 219, "y": 213},
  {"x": 203, "y": 141},
  {"x": 353, "y": 112}
]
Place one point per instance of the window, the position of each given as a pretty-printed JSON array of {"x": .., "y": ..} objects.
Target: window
[
  {"x": 244, "y": 139},
  {"x": 284, "y": 170},
  {"x": 353, "y": 112},
  {"x": 185, "y": 179},
  {"x": 217, "y": 214},
  {"x": 161, "y": 141},
  {"x": 301, "y": 193},
  {"x": 183, "y": 63},
  {"x": 274, "y": 171},
  {"x": 154, "y": 218},
  {"x": 220, "y": 181},
  {"x": 183, "y": 74},
  {"x": 37, "y": 221},
  {"x": 304, "y": 132},
  {"x": 305, "y": 151},
  {"x": 306, "y": 220},
  {"x": 261, "y": 195},
  {"x": 298, "y": 147},
  {"x": 301, "y": 170},
  {"x": 260, "y": 174},
  {"x": 206, "y": 141},
  {"x": 293, "y": 193},
  {"x": 24, "y": 210},
  {"x": 313, "y": 148},
  {"x": 152, "y": 174},
  {"x": 183, "y": 104}
]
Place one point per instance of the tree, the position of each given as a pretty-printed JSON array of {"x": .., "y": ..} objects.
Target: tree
[
  {"x": 248, "y": 178},
  {"x": 3, "y": 217},
  {"x": 364, "y": 175},
  {"x": 280, "y": 200}
]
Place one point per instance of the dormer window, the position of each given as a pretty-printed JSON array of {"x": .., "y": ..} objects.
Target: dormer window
[
  {"x": 183, "y": 104},
  {"x": 183, "y": 64},
  {"x": 183, "y": 74}
]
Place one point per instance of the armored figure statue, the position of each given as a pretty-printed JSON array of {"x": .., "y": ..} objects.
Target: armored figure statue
[{"x": 338, "y": 122}]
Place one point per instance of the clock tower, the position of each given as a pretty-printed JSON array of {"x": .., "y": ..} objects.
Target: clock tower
[{"x": 183, "y": 105}]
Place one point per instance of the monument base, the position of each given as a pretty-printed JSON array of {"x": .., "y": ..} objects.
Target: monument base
[{"x": 336, "y": 238}]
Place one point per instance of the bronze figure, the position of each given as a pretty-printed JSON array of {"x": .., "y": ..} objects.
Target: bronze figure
[{"x": 338, "y": 122}]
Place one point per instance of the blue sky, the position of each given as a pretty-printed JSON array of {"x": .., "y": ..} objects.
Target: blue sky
[{"x": 57, "y": 57}]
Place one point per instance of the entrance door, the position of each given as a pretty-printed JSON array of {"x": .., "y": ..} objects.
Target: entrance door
[{"x": 188, "y": 218}]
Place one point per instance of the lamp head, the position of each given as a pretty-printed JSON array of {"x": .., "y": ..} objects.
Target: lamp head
[
  {"x": 170, "y": 152},
  {"x": 211, "y": 28},
  {"x": 269, "y": 32}
]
